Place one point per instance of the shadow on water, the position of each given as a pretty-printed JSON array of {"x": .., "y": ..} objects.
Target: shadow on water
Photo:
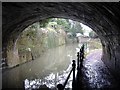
[{"x": 50, "y": 81}]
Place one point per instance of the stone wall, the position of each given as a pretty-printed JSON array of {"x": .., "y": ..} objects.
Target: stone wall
[
  {"x": 111, "y": 54},
  {"x": 25, "y": 49},
  {"x": 12, "y": 54}
]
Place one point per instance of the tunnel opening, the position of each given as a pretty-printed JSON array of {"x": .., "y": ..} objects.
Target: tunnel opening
[
  {"x": 51, "y": 33},
  {"x": 56, "y": 40},
  {"x": 101, "y": 17}
]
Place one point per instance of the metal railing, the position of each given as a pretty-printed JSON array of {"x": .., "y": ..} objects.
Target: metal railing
[
  {"x": 62, "y": 87},
  {"x": 76, "y": 80},
  {"x": 80, "y": 58}
]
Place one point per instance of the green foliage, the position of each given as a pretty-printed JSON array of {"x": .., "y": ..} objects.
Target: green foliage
[
  {"x": 58, "y": 23},
  {"x": 44, "y": 23},
  {"x": 76, "y": 28},
  {"x": 48, "y": 33},
  {"x": 92, "y": 34},
  {"x": 31, "y": 31},
  {"x": 66, "y": 25}
]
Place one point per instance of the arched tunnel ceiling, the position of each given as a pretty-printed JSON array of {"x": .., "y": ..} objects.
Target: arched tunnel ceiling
[{"x": 103, "y": 18}]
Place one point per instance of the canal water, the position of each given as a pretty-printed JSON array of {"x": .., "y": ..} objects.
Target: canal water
[
  {"x": 53, "y": 67},
  {"x": 49, "y": 69}
]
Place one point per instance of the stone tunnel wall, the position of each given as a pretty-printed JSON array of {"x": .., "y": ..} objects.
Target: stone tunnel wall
[
  {"x": 103, "y": 18},
  {"x": 12, "y": 54},
  {"x": 111, "y": 54},
  {"x": 29, "y": 46}
]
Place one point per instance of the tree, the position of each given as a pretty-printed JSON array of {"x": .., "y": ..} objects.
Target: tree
[
  {"x": 67, "y": 25},
  {"x": 44, "y": 23},
  {"x": 92, "y": 34},
  {"x": 76, "y": 28}
]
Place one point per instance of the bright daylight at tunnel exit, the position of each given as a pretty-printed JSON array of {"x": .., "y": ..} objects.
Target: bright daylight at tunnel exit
[{"x": 54, "y": 50}]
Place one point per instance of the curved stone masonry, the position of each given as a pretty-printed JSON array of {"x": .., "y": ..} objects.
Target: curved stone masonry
[{"x": 103, "y": 18}]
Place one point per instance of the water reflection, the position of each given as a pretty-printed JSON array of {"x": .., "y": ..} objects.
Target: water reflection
[
  {"x": 48, "y": 70},
  {"x": 95, "y": 75},
  {"x": 52, "y": 62},
  {"x": 50, "y": 81}
]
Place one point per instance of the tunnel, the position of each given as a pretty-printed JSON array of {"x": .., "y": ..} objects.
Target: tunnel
[{"x": 102, "y": 17}]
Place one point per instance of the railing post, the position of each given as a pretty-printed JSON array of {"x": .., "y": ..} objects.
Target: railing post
[
  {"x": 73, "y": 83},
  {"x": 78, "y": 60},
  {"x": 78, "y": 69},
  {"x": 81, "y": 56},
  {"x": 80, "y": 76},
  {"x": 77, "y": 82},
  {"x": 60, "y": 87}
]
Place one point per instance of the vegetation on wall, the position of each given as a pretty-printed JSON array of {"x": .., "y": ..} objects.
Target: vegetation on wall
[
  {"x": 46, "y": 34},
  {"x": 92, "y": 34}
]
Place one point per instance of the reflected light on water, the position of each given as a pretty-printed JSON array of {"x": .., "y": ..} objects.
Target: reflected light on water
[
  {"x": 50, "y": 69},
  {"x": 50, "y": 81}
]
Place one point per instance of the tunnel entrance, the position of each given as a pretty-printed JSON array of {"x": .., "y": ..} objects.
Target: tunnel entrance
[
  {"x": 103, "y": 18},
  {"x": 52, "y": 45},
  {"x": 51, "y": 33}
]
